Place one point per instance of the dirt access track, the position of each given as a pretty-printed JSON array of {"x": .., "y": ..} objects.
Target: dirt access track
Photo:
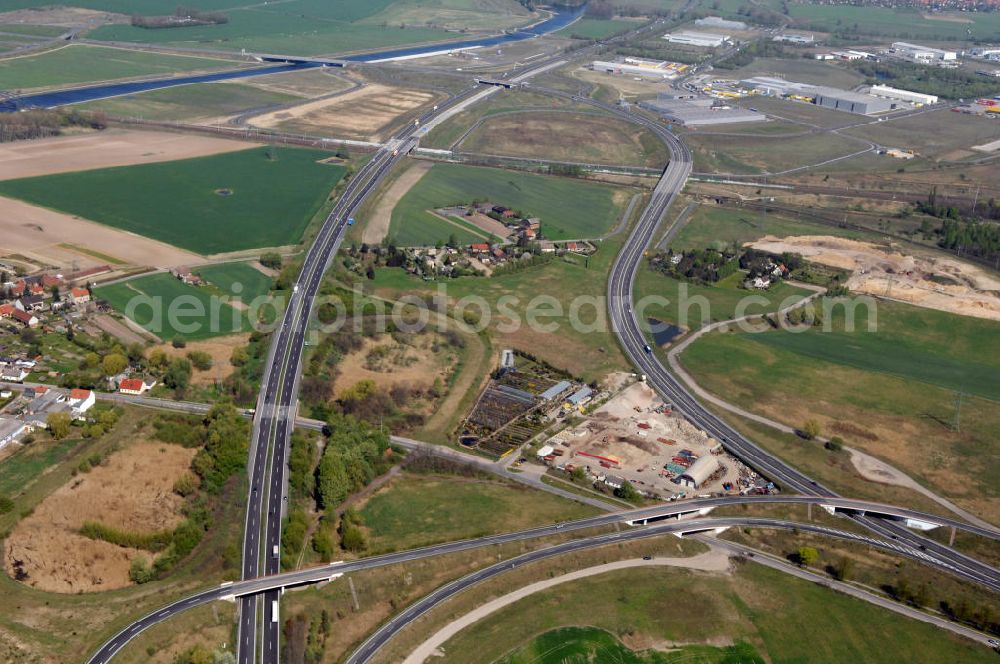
[
  {"x": 62, "y": 240},
  {"x": 133, "y": 490},
  {"x": 933, "y": 282},
  {"x": 377, "y": 225},
  {"x": 362, "y": 114}
]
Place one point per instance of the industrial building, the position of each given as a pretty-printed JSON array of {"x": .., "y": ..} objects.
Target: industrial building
[
  {"x": 700, "y": 111},
  {"x": 921, "y": 54},
  {"x": 779, "y": 87},
  {"x": 699, "y": 471},
  {"x": 653, "y": 69},
  {"x": 902, "y": 95},
  {"x": 852, "y": 102},
  {"x": 692, "y": 38},
  {"x": 795, "y": 38},
  {"x": 720, "y": 23}
]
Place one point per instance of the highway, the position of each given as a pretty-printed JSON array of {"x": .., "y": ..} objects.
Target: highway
[
  {"x": 275, "y": 412},
  {"x": 273, "y": 583},
  {"x": 625, "y": 324}
]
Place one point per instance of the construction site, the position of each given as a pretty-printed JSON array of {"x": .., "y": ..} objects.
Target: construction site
[{"x": 635, "y": 436}]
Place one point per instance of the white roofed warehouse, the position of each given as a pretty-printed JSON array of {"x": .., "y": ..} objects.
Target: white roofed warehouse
[
  {"x": 700, "y": 471},
  {"x": 902, "y": 95},
  {"x": 692, "y": 38}
]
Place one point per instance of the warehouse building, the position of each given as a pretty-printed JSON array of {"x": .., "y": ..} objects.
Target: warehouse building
[
  {"x": 851, "y": 102},
  {"x": 695, "y": 112},
  {"x": 778, "y": 87},
  {"x": 921, "y": 54},
  {"x": 902, "y": 95},
  {"x": 692, "y": 38},
  {"x": 652, "y": 69},
  {"x": 720, "y": 23},
  {"x": 699, "y": 471},
  {"x": 795, "y": 38}
]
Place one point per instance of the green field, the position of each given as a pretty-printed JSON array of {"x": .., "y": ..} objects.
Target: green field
[
  {"x": 917, "y": 344},
  {"x": 783, "y": 619},
  {"x": 711, "y": 226},
  {"x": 592, "y": 28},
  {"x": 800, "y": 70},
  {"x": 587, "y": 644},
  {"x": 187, "y": 102},
  {"x": 31, "y": 30},
  {"x": 19, "y": 470},
  {"x": 902, "y": 23},
  {"x": 753, "y": 154},
  {"x": 297, "y": 26},
  {"x": 232, "y": 280},
  {"x": 83, "y": 64},
  {"x": 182, "y": 202},
  {"x": 931, "y": 135},
  {"x": 588, "y": 350},
  {"x": 720, "y": 300},
  {"x": 237, "y": 279},
  {"x": 891, "y": 393},
  {"x": 568, "y": 208},
  {"x": 418, "y": 510}
]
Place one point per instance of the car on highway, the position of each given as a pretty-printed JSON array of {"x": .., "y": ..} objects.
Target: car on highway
[{"x": 649, "y": 351}]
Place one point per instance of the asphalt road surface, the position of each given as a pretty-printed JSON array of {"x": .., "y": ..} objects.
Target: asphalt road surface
[{"x": 273, "y": 583}]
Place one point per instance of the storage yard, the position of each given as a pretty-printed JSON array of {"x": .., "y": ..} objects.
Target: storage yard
[{"x": 636, "y": 437}]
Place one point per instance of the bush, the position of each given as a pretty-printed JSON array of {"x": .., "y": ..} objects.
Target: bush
[
  {"x": 271, "y": 259},
  {"x": 154, "y": 541},
  {"x": 835, "y": 444},
  {"x": 140, "y": 570},
  {"x": 201, "y": 360},
  {"x": 178, "y": 342},
  {"x": 352, "y": 538},
  {"x": 6, "y": 504}
]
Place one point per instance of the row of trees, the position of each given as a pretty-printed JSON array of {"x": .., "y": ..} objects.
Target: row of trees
[{"x": 43, "y": 124}]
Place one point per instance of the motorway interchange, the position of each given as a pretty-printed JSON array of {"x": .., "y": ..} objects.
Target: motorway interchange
[{"x": 259, "y": 591}]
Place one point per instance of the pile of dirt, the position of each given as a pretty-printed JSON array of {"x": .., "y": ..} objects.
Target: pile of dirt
[
  {"x": 933, "y": 282},
  {"x": 132, "y": 490}
]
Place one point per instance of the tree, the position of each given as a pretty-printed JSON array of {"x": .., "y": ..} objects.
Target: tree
[
  {"x": 239, "y": 356},
  {"x": 58, "y": 424},
  {"x": 628, "y": 492},
  {"x": 842, "y": 570},
  {"x": 835, "y": 444},
  {"x": 6, "y": 504},
  {"x": 352, "y": 538},
  {"x": 271, "y": 259},
  {"x": 178, "y": 374},
  {"x": 113, "y": 364},
  {"x": 201, "y": 360},
  {"x": 806, "y": 555},
  {"x": 579, "y": 474},
  {"x": 178, "y": 342},
  {"x": 810, "y": 429}
]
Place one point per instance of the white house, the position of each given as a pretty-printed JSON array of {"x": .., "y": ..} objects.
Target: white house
[
  {"x": 80, "y": 401},
  {"x": 134, "y": 386}
]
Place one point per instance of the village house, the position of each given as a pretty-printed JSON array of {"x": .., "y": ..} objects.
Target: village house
[
  {"x": 79, "y": 295},
  {"x": 80, "y": 401},
  {"x": 24, "y": 318},
  {"x": 134, "y": 386}
]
